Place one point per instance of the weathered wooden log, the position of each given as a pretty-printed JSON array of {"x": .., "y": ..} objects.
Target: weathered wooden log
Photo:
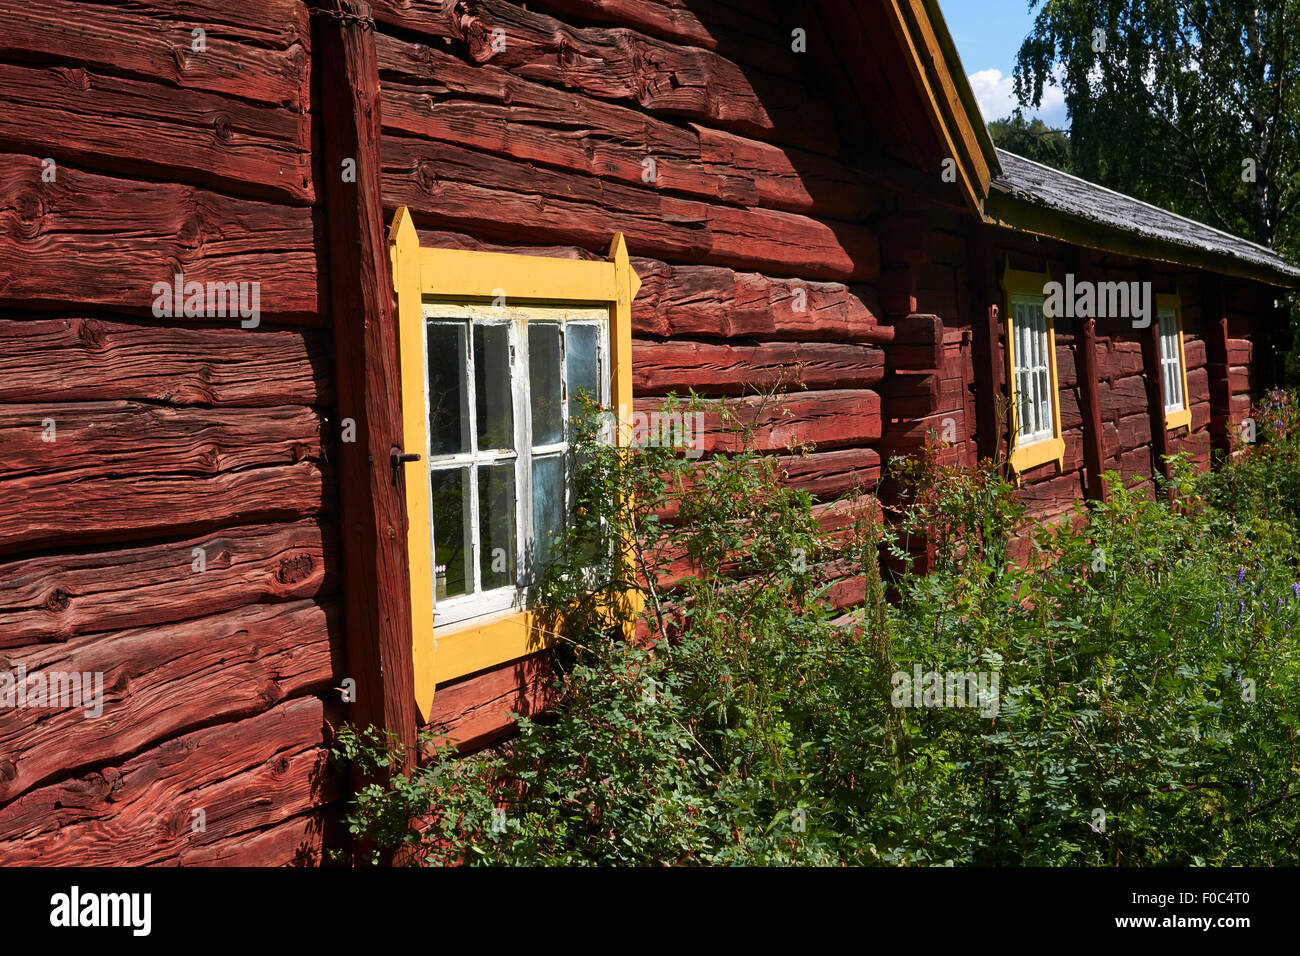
[
  {"x": 254, "y": 51},
  {"x": 474, "y": 712},
  {"x": 447, "y": 184},
  {"x": 245, "y": 777},
  {"x": 91, "y": 359},
  {"x": 115, "y": 469},
  {"x": 160, "y": 682},
  {"x": 129, "y": 126},
  {"x": 829, "y": 474},
  {"x": 624, "y": 65},
  {"x": 713, "y": 302},
  {"x": 830, "y": 419},
  {"x": 57, "y": 597},
  {"x": 1124, "y": 396},
  {"x": 430, "y": 93},
  {"x": 87, "y": 239},
  {"x": 725, "y": 369},
  {"x": 301, "y": 841},
  {"x": 911, "y": 394}
]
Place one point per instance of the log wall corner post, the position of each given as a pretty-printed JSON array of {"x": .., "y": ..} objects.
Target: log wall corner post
[
  {"x": 1085, "y": 364},
  {"x": 377, "y": 611},
  {"x": 1154, "y": 383},
  {"x": 985, "y": 320},
  {"x": 1216, "y": 360}
]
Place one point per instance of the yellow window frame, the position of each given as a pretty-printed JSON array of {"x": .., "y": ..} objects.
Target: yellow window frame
[
  {"x": 1023, "y": 458},
  {"x": 462, "y": 649},
  {"x": 1182, "y": 419}
]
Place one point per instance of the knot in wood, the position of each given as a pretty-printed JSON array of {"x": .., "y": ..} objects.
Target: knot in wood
[
  {"x": 57, "y": 600},
  {"x": 291, "y": 570},
  {"x": 91, "y": 333},
  {"x": 221, "y": 126},
  {"x": 29, "y": 210},
  {"x": 348, "y": 13}
]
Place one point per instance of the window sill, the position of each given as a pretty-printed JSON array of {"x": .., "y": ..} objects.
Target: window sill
[
  {"x": 1181, "y": 419},
  {"x": 479, "y": 643},
  {"x": 1039, "y": 453}
]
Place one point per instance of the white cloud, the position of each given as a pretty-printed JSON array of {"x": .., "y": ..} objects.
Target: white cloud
[{"x": 996, "y": 96}]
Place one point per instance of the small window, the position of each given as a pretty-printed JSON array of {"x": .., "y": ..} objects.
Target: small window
[
  {"x": 494, "y": 350},
  {"x": 503, "y": 385},
  {"x": 1031, "y": 367},
  {"x": 1173, "y": 362}
]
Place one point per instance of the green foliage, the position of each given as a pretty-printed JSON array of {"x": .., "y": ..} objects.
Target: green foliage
[
  {"x": 1167, "y": 100},
  {"x": 1032, "y": 139},
  {"x": 1146, "y": 673}
]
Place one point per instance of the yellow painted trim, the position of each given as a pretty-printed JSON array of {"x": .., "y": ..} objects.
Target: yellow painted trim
[
  {"x": 404, "y": 248},
  {"x": 1181, "y": 419},
  {"x": 468, "y": 274},
  {"x": 475, "y": 646},
  {"x": 419, "y": 273},
  {"x": 1025, "y": 457}
]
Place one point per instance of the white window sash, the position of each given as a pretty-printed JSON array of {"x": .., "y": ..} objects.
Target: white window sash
[{"x": 463, "y": 608}]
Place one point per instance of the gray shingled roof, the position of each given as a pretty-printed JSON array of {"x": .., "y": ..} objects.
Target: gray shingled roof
[{"x": 1052, "y": 189}]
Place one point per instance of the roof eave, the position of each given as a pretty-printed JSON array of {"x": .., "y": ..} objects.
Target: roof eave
[{"x": 1007, "y": 211}]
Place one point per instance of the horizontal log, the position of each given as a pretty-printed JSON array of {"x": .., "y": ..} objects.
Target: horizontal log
[
  {"x": 301, "y": 841},
  {"x": 57, "y": 597},
  {"x": 90, "y": 359},
  {"x": 725, "y": 369},
  {"x": 1123, "y": 396},
  {"x": 1118, "y": 359},
  {"x": 500, "y": 198},
  {"x": 162, "y": 682},
  {"x": 130, "y": 126},
  {"x": 246, "y": 777},
  {"x": 719, "y": 303},
  {"x": 87, "y": 239},
  {"x": 829, "y": 474},
  {"x": 917, "y": 344},
  {"x": 477, "y": 710},
  {"x": 119, "y": 468},
  {"x": 670, "y": 19},
  {"x": 829, "y": 419},
  {"x": 255, "y": 51},
  {"x": 430, "y": 93},
  {"x": 623, "y": 65},
  {"x": 911, "y": 394}
]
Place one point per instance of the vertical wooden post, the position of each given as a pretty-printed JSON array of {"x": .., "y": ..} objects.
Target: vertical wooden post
[
  {"x": 1085, "y": 366},
  {"x": 1085, "y": 362},
  {"x": 985, "y": 323},
  {"x": 1217, "y": 364},
  {"x": 1155, "y": 384},
  {"x": 377, "y": 612}
]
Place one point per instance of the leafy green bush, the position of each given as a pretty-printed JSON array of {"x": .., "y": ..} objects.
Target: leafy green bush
[{"x": 1145, "y": 666}]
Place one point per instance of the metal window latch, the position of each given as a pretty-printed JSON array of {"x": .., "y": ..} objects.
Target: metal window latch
[{"x": 399, "y": 458}]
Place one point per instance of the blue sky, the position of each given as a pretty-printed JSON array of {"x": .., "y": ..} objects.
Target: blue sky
[{"x": 988, "y": 35}]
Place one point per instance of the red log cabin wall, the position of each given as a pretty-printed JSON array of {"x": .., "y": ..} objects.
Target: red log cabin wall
[
  {"x": 136, "y": 450},
  {"x": 769, "y": 251},
  {"x": 704, "y": 138}
]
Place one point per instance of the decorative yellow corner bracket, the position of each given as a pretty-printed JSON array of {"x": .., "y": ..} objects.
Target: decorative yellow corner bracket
[
  {"x": 1023, "y": 458},
  {"x": 459, "y": 274},
  {"x": 1181, "y": 419}
]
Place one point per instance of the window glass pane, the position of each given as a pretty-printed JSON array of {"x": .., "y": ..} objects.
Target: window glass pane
[
  {"x": 448, "y": 399},
  {"x": 492, "y": 386},
  {"x": 544, "y": 382},
  {"x": 450, "y": 547},
  {"x": 548, "y": 508},
  {"x": 580, "y": 343},
  {"x": 496, "y": 510}
]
